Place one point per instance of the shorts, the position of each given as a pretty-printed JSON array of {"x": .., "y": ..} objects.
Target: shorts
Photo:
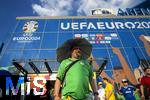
[{"x": 89, "y": 97}]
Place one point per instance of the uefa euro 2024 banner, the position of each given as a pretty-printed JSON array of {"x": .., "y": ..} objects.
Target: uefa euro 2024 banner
[{"x": 84, "y": 28}]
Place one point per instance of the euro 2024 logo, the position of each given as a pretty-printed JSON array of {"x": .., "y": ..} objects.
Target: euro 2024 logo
[{"x": 29, "y": 28}]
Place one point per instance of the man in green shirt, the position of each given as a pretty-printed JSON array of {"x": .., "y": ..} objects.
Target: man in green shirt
[{"x": 77, "y": 79}]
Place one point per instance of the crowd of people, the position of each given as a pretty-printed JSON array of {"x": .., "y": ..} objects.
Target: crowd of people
[
  {"x": 107, "y": 91},
  {"x": 76, "y": 85},
  {"x": 75, "y": 74},
  {"x": 127, "y": 91}
]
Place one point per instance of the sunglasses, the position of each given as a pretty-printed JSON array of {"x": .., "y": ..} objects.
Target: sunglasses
[
  {"x": 125, "y": 82},
  {"x": 76, "y": 48}
]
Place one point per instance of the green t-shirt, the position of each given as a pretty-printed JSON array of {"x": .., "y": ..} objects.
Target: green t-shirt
[{"x": 76, "y": 82}]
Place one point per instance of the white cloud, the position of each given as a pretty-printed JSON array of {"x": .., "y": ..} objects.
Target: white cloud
[
  {"x": 80, "y": 7},
  {"x": 41, "y": 10},
  {"x": 53, "y": 7}
]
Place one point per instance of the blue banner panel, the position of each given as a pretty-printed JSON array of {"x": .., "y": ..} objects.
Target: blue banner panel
[{"x": 39, "y": 39}]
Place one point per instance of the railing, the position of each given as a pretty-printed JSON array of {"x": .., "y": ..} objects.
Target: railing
[
  {"x": 49, "y": 65},
  {"x": 46, "y": 64}
]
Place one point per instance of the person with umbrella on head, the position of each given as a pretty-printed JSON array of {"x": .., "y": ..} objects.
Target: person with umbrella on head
[{"x": 75, "y": 72}]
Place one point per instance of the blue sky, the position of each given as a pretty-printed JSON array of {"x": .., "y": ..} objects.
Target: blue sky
[{"x": 10, "y": 9}]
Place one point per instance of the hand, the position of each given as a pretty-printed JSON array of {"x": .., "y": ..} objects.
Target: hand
[
  {"x": 142, "y": 97},
  {"x": 96, "y": 97},
  {"x": 106, "y": 98},
  {"x": 57, "y": 98}
]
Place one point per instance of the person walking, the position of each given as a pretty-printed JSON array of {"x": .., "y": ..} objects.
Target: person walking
[
  {"x": 101, "y": 91},
  {"x": 109, "y": 90},
  {"x": 127, "y": 90},
  {"x": 145, "y": 85},
  {"x": 78, "y": 76}
]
